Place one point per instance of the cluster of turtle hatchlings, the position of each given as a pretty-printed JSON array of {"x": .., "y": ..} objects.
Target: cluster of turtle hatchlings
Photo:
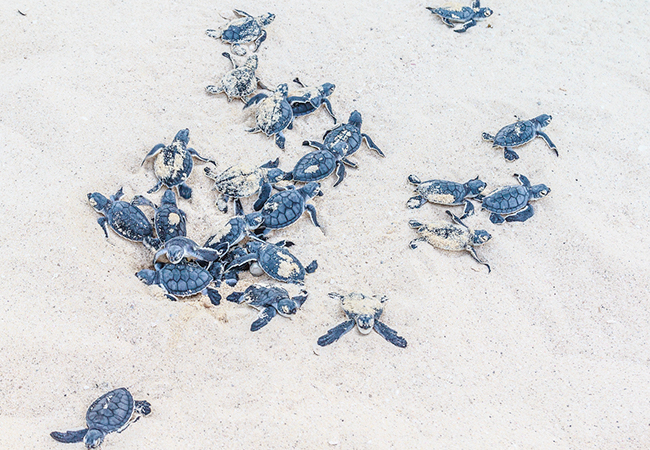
[{"x": 183, "y": 268}]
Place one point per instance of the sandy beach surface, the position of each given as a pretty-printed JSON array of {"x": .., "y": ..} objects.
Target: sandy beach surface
[{"x": 548, "y": 351}]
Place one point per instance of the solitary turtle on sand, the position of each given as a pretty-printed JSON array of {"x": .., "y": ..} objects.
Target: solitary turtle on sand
[
  {"x": 306, "y": 100},
  {"x": 240, "y": 82},
  {"x": 320, "y": 164},
  {"x": 273, "y": 115},
  {"x": 286, "y": 207},
  {"x": 454, "y": 236},
  {"x": 181, "y": 248},
  {"x": 126, "y": 219},
  {"x": 519, "y": 133},
  {"x": 181, "y": 280},
  {"x": 169, "y": 220},
  {"x": 269, "y": 300},
  {"x": 365, "y": 312},
  {"x": 113, "y": 411},
  {"x": 446, "y": 193},
  {"x": 512, "y": 203},
  {"x": 461, "y": 14},
  {"x": 173, "y": 163},
  {"x": 243, "y": 30},
  {"x": 349, "y": 133}
]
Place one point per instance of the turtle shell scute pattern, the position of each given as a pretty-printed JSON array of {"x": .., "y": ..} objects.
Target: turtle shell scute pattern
[
  {"x": 515, "y": 134},
  {"x": 239, "y": 181},
  {"x": 456, "y": 14},
  {"x": 275, "y": 117},
  {"x": 240, "y": 82},
  {"x": 315, "y": 166},
  {"x": 280, "y": 264},
  {"x": 129, "y": 221},
  {"x": 507, "y": 200},
  {"x": 241, "y": 31},
  {"x": 111, "y": 412},
  {"x": 184, "y": 279},
  {"x": 437, "y": 189},
  {"x": 263, "y": 296},
  {"x": 344, "y": 133},
  {"x": 283, "y": 209}
]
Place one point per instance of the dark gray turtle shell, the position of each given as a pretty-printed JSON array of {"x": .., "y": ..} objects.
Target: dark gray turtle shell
[
  {"x": 315, "y": 166},
  {"x": 442, "y": 192},
  {"x": 260, "y": 296},
  {"x": 516, "y": 134},
  {"x": 183, "y": 279},
  {"x": 111, "y": 412},
  {"x": 280, "y": 264},
  {"x": 170, "y": 221},
  {"x": 129, "y": 221},
  {"x": 241, "y": 31},
  {"x": 283, "y": 209},
  {"x": 346, "y": 132},
  {"x": 507, "y": 200}
]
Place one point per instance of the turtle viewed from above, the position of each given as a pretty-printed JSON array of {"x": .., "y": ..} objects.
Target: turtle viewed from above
[
  {"x": 112, "y": 412},
  {"x": 273, "y": 115},
  {"x": 181, "y": 280},
  {"x": 364, "y": 311},
  {"x": 287, "y": 206},
  {"x": 243, "y": 30},
  {"x": 270, "y": 301},
  {"x": 447, "y": 193},
  {"x": 519, "y": 133},
  {"x": 454, "y": 236},
  {"x": 126, "y": 219},
  {"x": 169, "y": 220},
  {"x": 306, "y": 100},
  {"x": 182, "y": 248},
  {"x": 234, "y": 231},
  {"x": 350, "y": 133},
  {"x": 240, "y": 82},
  {"x": 512, "y": 203},
  {"x": 467, "y": 15},
  {"x": 320, "y": 164},
  {"x": 173, "y": 163}
]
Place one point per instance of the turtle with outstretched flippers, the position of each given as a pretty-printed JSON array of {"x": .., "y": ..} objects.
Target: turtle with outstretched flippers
[
  {"x": 270, "y": 301},
  {"x": 174, "y": 163},
  {"x": 467, "y": 15},
  {"x": 364, "y": 311},
  {"x": 112, "y": 412},
  {"x": 350, "y": 133},
  {"x": 447, "y": 193},
  {"x": 519, "y": 133},
  {"x": 454, "y": 236},
  {"x": 287, "y": 206},
  {"x": 245, "y": 180},
  {"x": 181, "y": 248},
  {"x": 240, "y": 82},
  {"x": 306, "y": 100},
  {"x": 273, "y": 115},
  {"x": 234, "y": 231},
  {"x": 181, "y": 280},
  {"x": 169, "y": 220},
  {"x": 243, "y": 30},
  {"x": 320, "y": 164},
  {"x": 512, "y": 203},
  {"x": 275, "y": 260},
  {"x": 126, "y": 219}
]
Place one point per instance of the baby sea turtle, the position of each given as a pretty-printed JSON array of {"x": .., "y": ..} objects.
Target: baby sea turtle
[
  {"x": 286, "y": 207},
  {"x": 306, "y": 100},
  {"x": 454, "y": 236},
  {"x": 446, "y": 193},
  {"x": 243, "y": 30},
  {"x": 173, "y": 163},
  {"x": 113, "y": 411},
  {"x": 240, "y": 82},
  {"x": 519, "y": 133},
  {"x": 169, "y": 221},
  {"x": 269, "y": 300},
  {"x": 349, "y": 133},
  {"x": 234, "y": 231},
  {"x": 467, "y": 15},
  {"x": 365, "y": 312},
  {"x": 276, "y": 261},
  {"x": 181, "y": 280},
  {"x": 512, "y": 203},
  {"x": 320, "y": 164},
  {"x": 125, "y": 218},
  {"x": 273, "y": 115},
  {"x": 244, "y": 180},
  {"x": 181, "y": 248}
]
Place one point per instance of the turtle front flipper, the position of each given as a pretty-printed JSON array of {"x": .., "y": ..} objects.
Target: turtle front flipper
[
  {"x": 265, "y": 317},
  {"x": 340, "y": 173},
  {"x": 416, "y": 202},
  {"x": 311, "y": 267},
  {"x": 69, "y": 437},
  {"x": 314, "y": 144},
  {"x": 311, "y": 209},
  {"x": 236, "y": 297},
  {"x": 255, "y": 100},
  {"x": 207, "y": 254},
  {"x": 466, "y": 26},
  {"x": 522, "y": 215},
  {"x": 548, "y": 141},
  {"x": 335, "y": 333},
  {"x": 509, "y": 154},
  {"x": 153, "y": 151},
  {"x": 102, "y": 223},
  {"x": 469, "y": 209},
  {"x": 184, "y": 191},
  {"x": 372, "y": 144},
  {"x": 214, "y": 296},
  {"x": 328, "y": 107},
  {"x": 472, "y": 251},
  {"x": 280, "y": 139},
  {"x": 265, "y": 191},
  {"x": 156, "y": 188},
  {"x": 496, "y": 218},
  {"x": 389, "y": 334},
  {"x": 195, "y": 154}
]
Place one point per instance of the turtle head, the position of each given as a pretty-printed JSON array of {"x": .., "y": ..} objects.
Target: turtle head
[
  {"x": 282, "y": 89},
  {"x": 254, "y": 220},
  {"x": 253, "y": 246},
  {"x": 168, "y": 198},
  {"x": 355, "y": 119},
  {"x": 94, "y": 438},
  {"x": 183, "y": 136},
  {"x": 365, "y": 322},
  {"x": 312, "y": 189},
  {"x": 327, "y": 89},
  {"x": 252, "y": 62},
  {"x": 147, "y": 276},
  {"x": 542, "y": 120},
  {"x": 175, "y": 252},
  {"x": 266, "y": 19},
  {"x": 415, "y": 224},
  {"x": 480, "y": 237},
  {"x": 475, "y": 186},
  {"x": 538, "y": 191},
  {"x": 287, "y": 307},
  {"x": 98, "y": 201},
  {"x": 484, "y": 12},
  {"x": 274, "y": 175}
]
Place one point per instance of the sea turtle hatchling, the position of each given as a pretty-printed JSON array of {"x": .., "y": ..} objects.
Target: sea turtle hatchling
[
  {"x": 169, "y": 220},
  {"x": 320, "y": 164},
  {"x": 467, "y": 15},
  {"x": 240, "y": 82},
  {"x": 234, "y": 231},
  {"x": 181, "y": 280},
  {"x": 245, "y": 180},
  {"x": 287, "y": 206},
  {"x": 269, "y": 300},
  {"x": 173, "y": 163},
  {"x": 243, "y": 30},
  {"x": 126, "y": 219},
  {"x": 273, "y": 115},
  {"x": 349, "y": 133},
  {"x": 112, "y": 412},
  {"x": 182, "y": 248},
  {"x": 306, "y": 100},
  {"x": 447, "y": 193},
  {"x": 454, "y": 236},
  {"x": 364, "y": 311},
  {"x": 519, "y": 133},
  {"x": 512, "y": 203}
]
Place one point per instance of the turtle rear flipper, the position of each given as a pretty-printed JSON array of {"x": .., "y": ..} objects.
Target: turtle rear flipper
[
  {"x": 265, "y": 317},
  {"x": 335, "y": 333},
  {"x": 69, "y": 437},
  {"x": 522, "y": 215},
  {"x": 214, "y": 296},
  {"x": 389, "y": 334}
]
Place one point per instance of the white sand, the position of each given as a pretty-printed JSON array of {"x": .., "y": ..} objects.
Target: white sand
[{"x": 550, "y": 350}]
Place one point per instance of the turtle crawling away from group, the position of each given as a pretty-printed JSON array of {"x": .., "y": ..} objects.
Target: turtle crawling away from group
[
  {"x": 519, "y": 133},
  {"x": 269, "y": 300},
  {"x": 467, "y": 15},
  {"x": 447, "y": 193},
  {"x": 112, "y": 412},
  {"x": 512, "y": 203},
  {"x": 364, "y": 311},
  {"x": 243, "y": 30}
]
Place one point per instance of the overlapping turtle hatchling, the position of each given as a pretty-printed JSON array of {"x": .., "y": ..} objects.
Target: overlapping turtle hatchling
[
  {"x": 181, "y": 280},
  {"x": 234, "y": 231},
  {"x": 287, "y": 206},
  {"x": 519, "y": 133},
  {"x": 269, "y": 300},
  {"x": 273, "y": 115},
  {"x": 243, "y": 30},
  {"x": 169, "y": 220},
  {"x": 182, "y": 248},
  {"x": 364, "y": 311},
  {"x": 112, "y": 412},
  {"x": 245, "y": 180},
  {"x": 275, "y": 260},
  {"x": 467, "y": 15},
  {"x": 512, "y": 203},
  {"x": 126, "y": 219},
  {"x": 320, "y": 164},
  {"x": 173, "y": 163},
  {"x": 306, "y": 100},
  {"x": 447, "y": 193},
  {"x": 240, "y": 82}
]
